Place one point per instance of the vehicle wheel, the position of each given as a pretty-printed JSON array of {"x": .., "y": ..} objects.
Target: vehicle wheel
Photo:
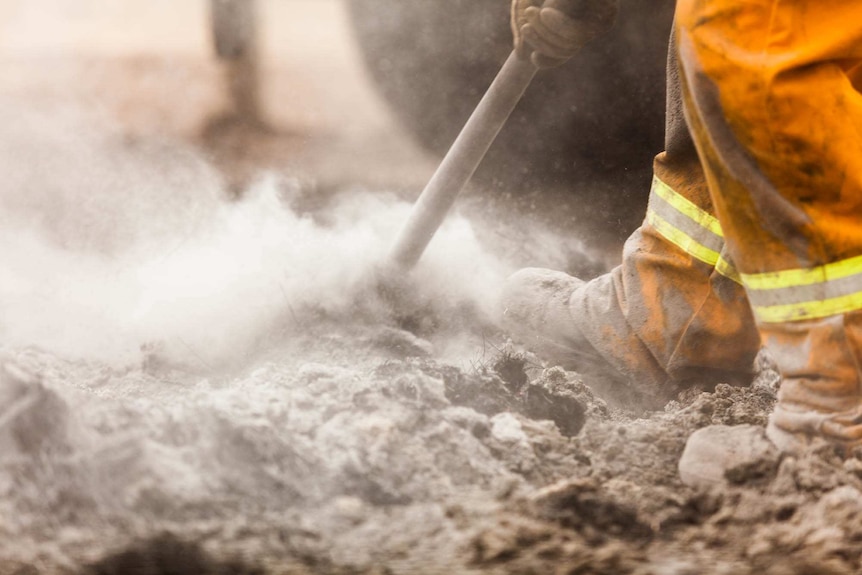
[{"x": 600, "y": 116}]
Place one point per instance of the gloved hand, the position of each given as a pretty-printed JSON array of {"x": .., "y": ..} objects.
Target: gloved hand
[{"x": 550, "y": 32}]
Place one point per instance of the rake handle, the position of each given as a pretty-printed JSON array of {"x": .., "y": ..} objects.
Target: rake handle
[{"x": 461, "y": 161}]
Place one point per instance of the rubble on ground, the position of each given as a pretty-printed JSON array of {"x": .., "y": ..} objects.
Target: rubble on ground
[{"x": 392, "y": 462}]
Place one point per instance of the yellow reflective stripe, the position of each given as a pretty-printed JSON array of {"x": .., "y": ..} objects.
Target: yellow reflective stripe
[
  {"x": 685, "y": 206},
  {"x": 689, "y": 228},
  {"x": 801, "y": 277},
  {"x": 728, "y": 270},
  {"x": 800, "y": 294},
  {"x": 809, "y": 310},
  {"x": 682, "y": 240}
]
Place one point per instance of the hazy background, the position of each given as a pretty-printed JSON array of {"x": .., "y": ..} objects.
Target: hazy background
[
  {"x": 150, "y": 67},
  {"x": 123, "y": 222}
]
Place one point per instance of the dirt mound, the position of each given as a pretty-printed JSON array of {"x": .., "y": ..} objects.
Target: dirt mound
[{"x": 391, "y": 465}]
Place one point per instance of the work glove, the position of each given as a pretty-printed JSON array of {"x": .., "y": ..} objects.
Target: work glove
[{"x": 549, "y": 33}]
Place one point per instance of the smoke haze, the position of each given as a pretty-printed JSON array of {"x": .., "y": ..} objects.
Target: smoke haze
[{"x": 110, "y": 245}]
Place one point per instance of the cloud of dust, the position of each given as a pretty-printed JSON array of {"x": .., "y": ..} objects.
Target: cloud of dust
[{"x": 110, "y": 245}]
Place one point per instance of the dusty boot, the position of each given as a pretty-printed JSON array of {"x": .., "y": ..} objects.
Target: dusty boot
[
  {"x": 672, "y": 315},
  {"x": 549, "y": 312},
  {"x": 537, "y": 312},
  {"x": 659, "y": 323},
  {"x": 820, "y": 400},
  {"x": 820, "y": 395},
  {"x": 629, "y": 353}
]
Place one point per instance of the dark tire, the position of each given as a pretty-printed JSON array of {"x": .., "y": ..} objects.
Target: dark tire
[{"x": 599, "y": 118}]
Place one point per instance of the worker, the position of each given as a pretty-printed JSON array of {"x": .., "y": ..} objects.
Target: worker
[{"x": 753, "y": 233}]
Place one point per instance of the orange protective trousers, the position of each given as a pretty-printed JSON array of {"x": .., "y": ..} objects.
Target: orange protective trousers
[
  {"x": 771, "y": 95},
  {"x": 754, "y": 229}
]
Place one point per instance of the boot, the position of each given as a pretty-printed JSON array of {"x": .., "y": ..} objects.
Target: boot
[
  {"x": 537, "y": 312},
  {"x": 657, "y": 324},
  {"x": 820, "y": 395}
]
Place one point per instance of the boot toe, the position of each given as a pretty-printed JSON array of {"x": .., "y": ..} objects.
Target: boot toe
[
  {"x": 536, "y": 313},
  {"x": 535, "y": 301}
]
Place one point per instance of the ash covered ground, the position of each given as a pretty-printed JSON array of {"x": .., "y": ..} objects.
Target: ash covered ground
[{"x": 212, "y": 384}]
